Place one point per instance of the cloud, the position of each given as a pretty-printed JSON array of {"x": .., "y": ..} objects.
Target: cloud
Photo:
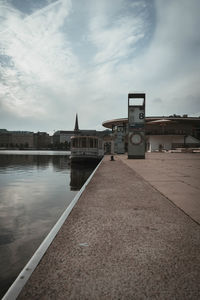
[
  {"x": 115, "y": 42},
  {"x": 169, "y": 68},
  {"x": 37, "y": 51},
  {"x": 69, "y": 57}
]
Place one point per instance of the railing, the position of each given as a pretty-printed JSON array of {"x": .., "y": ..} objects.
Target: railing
[
  {"x": 182, "y": 145},
  {"x": 168, "y": 132},
  {"x": 84, "y": 151}
]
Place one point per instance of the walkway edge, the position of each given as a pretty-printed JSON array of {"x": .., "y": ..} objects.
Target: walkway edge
[{"x": 25, "y": 274}]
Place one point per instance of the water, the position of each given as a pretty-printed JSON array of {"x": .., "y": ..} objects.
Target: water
[{"x": 35, "y": 188}]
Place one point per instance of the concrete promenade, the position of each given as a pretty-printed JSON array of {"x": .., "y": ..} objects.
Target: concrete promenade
[
  {"x": 125, "y": 238},
  {"x": 175, "y": 175}
]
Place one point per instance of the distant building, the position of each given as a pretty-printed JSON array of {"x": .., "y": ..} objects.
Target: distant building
[
  {"x": 42, "y": 140},
  {"x": 5, "y": 138},
  {"x": 16, "y": 139},
  {"x": 3, "y": 131},
  {"x": 162, "y": 133},
  {"x": 62, "y": 136},
  {"x": 24, "y": 139}
]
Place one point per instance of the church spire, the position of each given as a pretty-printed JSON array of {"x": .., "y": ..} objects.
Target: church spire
[{"x": 76, "y": 128}]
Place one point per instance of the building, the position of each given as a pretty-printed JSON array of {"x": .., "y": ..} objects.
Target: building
[
  {"x": 5, "y": 138},
  {"x": 24, "y": 140},
  {"x": 162, "y": 133},
  {"x": 42, "y": 140},
  {"x": 63, "y": 136},
  {"x": 16, "y": 139}
]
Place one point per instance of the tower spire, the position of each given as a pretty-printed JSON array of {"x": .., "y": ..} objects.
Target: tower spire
[{"x": 76, "y": 128}]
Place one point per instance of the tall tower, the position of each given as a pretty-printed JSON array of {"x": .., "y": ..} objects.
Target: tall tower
[
  {"x": 136, "y": 125},
  {"x": 76, "y": 128}
]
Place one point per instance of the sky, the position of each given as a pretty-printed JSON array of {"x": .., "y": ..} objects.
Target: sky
[{"x": 62, "y": 57}]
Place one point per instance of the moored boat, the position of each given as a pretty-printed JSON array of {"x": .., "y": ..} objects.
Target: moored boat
[{"x": 86, "y": 149}]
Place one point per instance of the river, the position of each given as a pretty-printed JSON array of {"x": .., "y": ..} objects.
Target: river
[{"x": 35, "y": 188}]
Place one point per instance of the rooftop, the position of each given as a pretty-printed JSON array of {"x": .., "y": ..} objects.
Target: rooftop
[{"x": 121, "y": 121}]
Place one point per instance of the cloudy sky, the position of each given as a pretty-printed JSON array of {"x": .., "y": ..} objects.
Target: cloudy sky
[{"x": 62, "y": 57}]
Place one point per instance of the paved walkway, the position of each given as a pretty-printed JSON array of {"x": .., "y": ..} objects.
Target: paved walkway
[
  {"x": 175, "y": 175},
  {"x": 123, "y": 240}
]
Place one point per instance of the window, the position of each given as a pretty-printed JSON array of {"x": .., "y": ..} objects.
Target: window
[
  {"x": 91, "y": 144},
  {"x": 83, "y": 140},
  {"x": 136, "y": 101},
  {"x": 75, "y": 143},
  {"x": 95, "y": 143}
]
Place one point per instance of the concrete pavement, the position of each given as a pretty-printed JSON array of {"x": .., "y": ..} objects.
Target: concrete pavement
[
  {"x": 175, "y": 175},
  {"x": 123, "y": 240}
]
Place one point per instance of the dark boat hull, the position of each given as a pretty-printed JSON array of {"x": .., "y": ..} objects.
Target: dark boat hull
[{"x": 82, "y": 159}]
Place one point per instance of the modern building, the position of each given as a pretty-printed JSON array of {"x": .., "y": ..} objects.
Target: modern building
[{"x": 162, "y": 133}]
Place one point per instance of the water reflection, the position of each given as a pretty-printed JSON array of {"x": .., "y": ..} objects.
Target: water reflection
[
  {"x": 79, "y": 175},
  {"x": 31, "y": 161},
  {"x": 34, "y": 192}
]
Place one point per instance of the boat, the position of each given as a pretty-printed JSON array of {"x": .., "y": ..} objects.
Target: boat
[{"x": 86, "y": 149}]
